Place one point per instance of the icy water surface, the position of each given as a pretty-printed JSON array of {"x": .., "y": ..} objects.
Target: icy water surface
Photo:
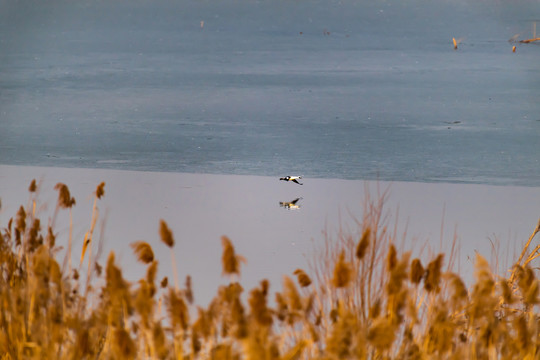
[
  {"x": 494, "y": 221},
  {"x": 328, "y": 89}
]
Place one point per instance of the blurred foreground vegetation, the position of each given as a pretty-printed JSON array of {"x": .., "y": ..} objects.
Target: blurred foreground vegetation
[{"x": 360, "y": 299}]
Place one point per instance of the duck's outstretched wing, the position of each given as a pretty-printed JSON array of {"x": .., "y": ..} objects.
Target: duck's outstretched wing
[{"x": 296, "y": 181}]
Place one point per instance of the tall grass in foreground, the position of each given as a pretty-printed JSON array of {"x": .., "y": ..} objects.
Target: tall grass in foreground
[{"x": 362, "y": 299}]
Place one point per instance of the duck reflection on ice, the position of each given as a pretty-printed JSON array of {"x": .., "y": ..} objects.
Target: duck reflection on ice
[{"x": 290, "y": 205}]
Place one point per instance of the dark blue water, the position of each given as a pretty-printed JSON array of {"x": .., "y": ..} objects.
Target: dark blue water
[{"x": 331, "y": 89}]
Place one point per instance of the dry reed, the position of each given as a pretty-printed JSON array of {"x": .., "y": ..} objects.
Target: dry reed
[{"x": 361, "y": 299}]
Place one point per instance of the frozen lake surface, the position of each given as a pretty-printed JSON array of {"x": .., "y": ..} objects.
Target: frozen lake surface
[
  {"x": 495, "y": 221},
  {"x": 327, "y": 89}
]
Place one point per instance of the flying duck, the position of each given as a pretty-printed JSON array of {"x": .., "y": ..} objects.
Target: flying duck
[
  {"x": 290, "y": 204},
  {"x": 292, "y": 178}
]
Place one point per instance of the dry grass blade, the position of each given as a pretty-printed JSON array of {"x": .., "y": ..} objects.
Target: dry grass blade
[
  {"x": 178, "y": 310},
  {"x": 433, "y": 274},
  {"x": 33, "y": 187},
  {"x": 21, "y": 220},
  {"x": 86, "y": 242},
  {"x": 229, "y": 259},
  {"x": 100, "y": 190},
  {"x": 526, "y": 248},
  {"x": 291, "y": 296},
  {"x": 258, "y": 305},
  {"x": 143, "y": 251},
  {"x": 303, "y": 278},
  {"x": 363, "y": 244},
  {"x": 391, "y": 258},
  {"x": 296, "y": 352},
  {"x": 188, "y": 291},
  {"x": 123, "y": 345},
  {"x": 64, "y": 197},
  {"x": 459, "y": 294},
  {"x": 166, "y": 234},
  {"x": 381, "y": 334},
  {"x": 168, "y": 239},
  {"x": 342, "y": 272},
  {"x": 417, "y": 271}
]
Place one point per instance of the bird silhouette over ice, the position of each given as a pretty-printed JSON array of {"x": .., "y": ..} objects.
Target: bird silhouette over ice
[{"x": 292, "y": 178}]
